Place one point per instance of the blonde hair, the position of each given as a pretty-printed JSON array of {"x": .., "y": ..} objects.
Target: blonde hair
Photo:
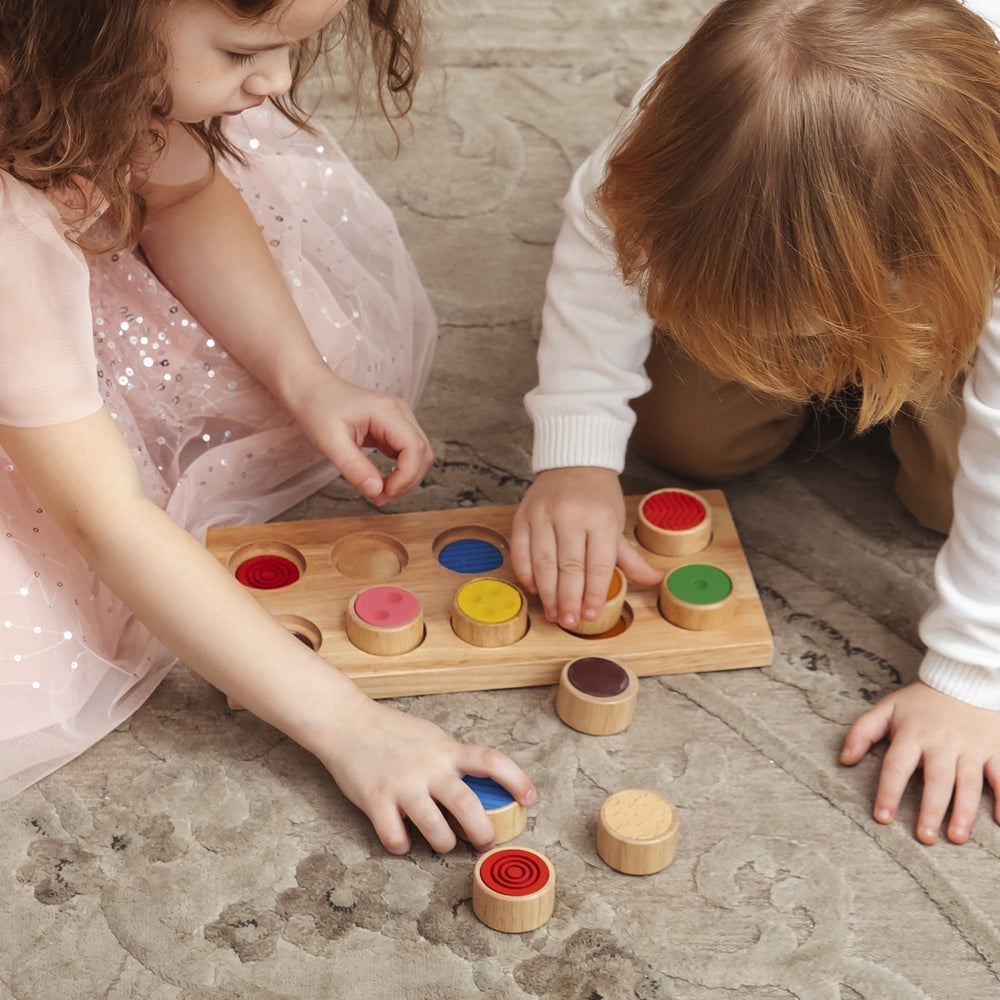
[
  {"x": 809, "y": 197},
  {"x": 81, "y": 85}
]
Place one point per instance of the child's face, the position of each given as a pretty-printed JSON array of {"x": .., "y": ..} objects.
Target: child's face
[{"x": 221, "y": 64}]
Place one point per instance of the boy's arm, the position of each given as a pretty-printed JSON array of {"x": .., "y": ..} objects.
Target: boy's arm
[
  {"x": 567, "y": 534},
  {"x": 948, "y": 723},
  {"x": 205, "y": 245}
]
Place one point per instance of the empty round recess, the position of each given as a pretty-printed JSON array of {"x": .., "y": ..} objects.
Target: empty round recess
[
  {"x": 303, "y": 630},
  {"x": 369, "y": 556},
  {"x": 470, "y": 549},
  {"x": 263, "y": 566}
]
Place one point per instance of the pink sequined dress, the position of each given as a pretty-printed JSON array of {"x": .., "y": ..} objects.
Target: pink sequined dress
[{"x": 211, "y": 444}]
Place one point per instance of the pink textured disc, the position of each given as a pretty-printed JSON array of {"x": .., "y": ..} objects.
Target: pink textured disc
[
  {"x": 672, "y": 510},
  {"x": 386, "y": 607}
]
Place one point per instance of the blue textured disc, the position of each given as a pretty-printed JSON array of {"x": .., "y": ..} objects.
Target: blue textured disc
[
  {"x": 490, "y": 794},
  {"x": 470, "y": 555}
]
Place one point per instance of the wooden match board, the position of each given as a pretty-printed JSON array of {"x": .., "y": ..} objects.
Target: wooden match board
[{"x": 340, "y": 557}]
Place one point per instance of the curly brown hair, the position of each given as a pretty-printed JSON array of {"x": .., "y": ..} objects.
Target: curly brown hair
[
  {"x": 808, "y": 197},
  {"x": 81, "y": 86}
]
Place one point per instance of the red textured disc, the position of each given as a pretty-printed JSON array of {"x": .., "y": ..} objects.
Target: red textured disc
[
  {"x": 673, "y": 510},
  {"x": 514, "y": 873},
  {"x": 267, "y": 572}
]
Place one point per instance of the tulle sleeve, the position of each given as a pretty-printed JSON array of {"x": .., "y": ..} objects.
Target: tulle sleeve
[{"x": 47, "y": 368}]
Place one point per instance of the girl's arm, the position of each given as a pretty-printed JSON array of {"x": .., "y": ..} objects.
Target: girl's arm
[
  {"x": 389, "y": 764},
  {"x": 205, "y": 245}
]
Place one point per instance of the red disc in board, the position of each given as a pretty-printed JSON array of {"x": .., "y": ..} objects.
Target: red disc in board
[
  {"x": 267, "y": 572},
  {"x": 514, "y": 873},
  {"x": 673, "y": 510}
]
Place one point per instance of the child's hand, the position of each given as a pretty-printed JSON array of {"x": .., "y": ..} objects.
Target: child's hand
[
  {"x": 567, "y": 538},
  {"x": 395, "y": 766},
  {"x": 955, "y": 743},
  {"x": 341, "y": 419}
]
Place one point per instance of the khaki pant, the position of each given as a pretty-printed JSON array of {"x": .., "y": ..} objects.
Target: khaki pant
[{"x": 700, "y": 427}]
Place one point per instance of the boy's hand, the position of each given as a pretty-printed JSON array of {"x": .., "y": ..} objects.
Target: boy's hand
[
  {"x": 955, "y": 743},
  {"x": 341, "y": 419},
  {"x": 567, "y": 538}
]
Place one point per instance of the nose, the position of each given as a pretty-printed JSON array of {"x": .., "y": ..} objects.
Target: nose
[{"x": 271, "y": 75}]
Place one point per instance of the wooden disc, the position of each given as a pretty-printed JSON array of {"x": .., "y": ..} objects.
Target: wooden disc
[
  {"x": 698, "y": 597},
  {"x": 611, "y": 613},
  {"x": 673, "y": 522},
  {"x": 508, "y": 816},
  {"x": 596, "y": 695},
  {"x": 637, "y": 832},
  {"x": 489, "y": 612},
  {"x": 513, "y": 889},
  {"x": 385, "y": 620}
]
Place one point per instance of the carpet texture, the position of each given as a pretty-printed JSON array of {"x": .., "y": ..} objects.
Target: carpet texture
[{"x": 196, "y": 854}]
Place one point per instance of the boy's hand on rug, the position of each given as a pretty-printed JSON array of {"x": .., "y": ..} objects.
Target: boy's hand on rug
[
  {"x": 395, "y": 766},
  {"x": 955, "y": 743},
  {"x": 567, "y": 538},
  {"x": 341, "y": 419}
]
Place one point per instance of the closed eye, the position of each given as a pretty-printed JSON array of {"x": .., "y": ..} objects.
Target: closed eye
[{"x": 242, "y": 58}]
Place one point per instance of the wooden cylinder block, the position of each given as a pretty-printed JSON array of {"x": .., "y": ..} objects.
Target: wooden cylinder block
[
  {"x": 508, "y": 817},
  {"x": 489, "y": 612},
  {"x": 596, "y": 696},
  {"x": 673, "y": 522},
  {"x": 697, "y": 597},
  {"x": 612, "y": 612},
  {"x": 637, "y": 832},
  {"x": 513, "y": 889},
  {"x": 385, "y": 621}
]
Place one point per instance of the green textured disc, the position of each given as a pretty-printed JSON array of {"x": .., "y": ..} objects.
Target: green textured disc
[{"x": 699, "y": 584}]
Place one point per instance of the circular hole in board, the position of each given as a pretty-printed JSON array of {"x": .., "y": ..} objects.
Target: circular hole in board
[
  {"x": 369, "y": 556},
  {"x": 303, "y": 630},
  {"x": 470, "y": 549},
  {"x": 621, "y": 626},
  {"x": 267, "y": 566}
]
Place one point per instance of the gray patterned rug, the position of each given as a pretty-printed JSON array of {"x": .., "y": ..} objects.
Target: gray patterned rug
[{"x": 195, "y": 854}]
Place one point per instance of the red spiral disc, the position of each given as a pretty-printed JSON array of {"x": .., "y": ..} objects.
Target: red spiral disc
[
  {"x": 673, "y": 510},
  {"x": 514, "y": 873},
  {"x": 267, "y": 572}
]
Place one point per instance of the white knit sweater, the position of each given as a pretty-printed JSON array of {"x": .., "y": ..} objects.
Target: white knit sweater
[{"x": 595, "y": 338}]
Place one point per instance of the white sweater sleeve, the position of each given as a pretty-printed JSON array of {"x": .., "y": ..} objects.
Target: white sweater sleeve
[
  {"x": 595, "y": 337},
  {"x": 962, "y": 629}
]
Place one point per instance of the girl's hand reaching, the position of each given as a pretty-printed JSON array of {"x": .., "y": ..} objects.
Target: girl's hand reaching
[
  {"x": 341, "y": 419},
  {"x": 396, "y": 767},
  {"x": 955, "y": 743}
]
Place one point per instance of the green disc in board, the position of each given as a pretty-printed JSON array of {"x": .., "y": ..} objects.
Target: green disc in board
[{"x": 699, "y": 584}]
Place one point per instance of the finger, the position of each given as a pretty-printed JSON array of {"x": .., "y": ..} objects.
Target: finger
[
  {"x": 992, "y": 772},
  {"x": 470, "y": 815},
  {"x": 572, "y": 555},
  {"x": 867, "y": 730},
  {"x": 486, "y": 762},
  {"x": 389, "y": 826},
  {"x": 602, "y": 551},
  {"x": 901, "y": 760},
  {"x": 354, "y": 465},
  {"x": 545, "y": 568},
  {"x": 634, "y": 565},
  {"x": 520, "y": 552},
  {"x": 424, "y": 814},
  {"x": 968, "y": 794},
  {"x": 939, "y": 784},
  {"x": 412, "y": 462}
]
